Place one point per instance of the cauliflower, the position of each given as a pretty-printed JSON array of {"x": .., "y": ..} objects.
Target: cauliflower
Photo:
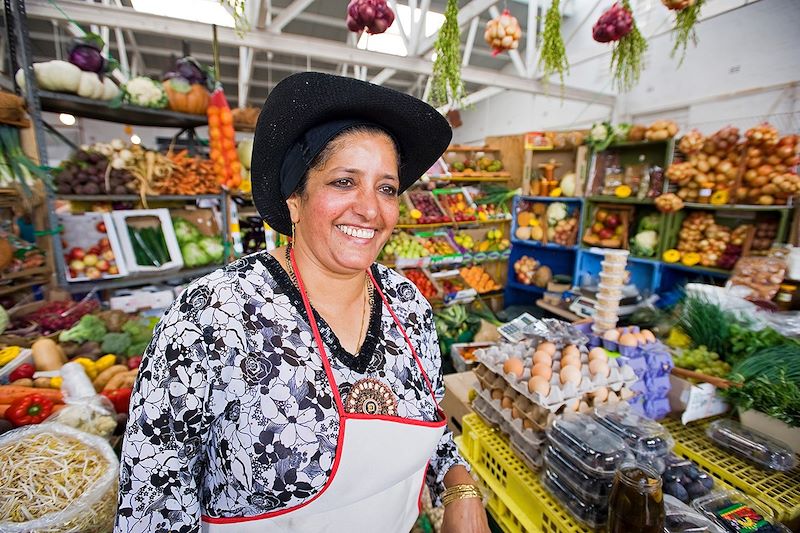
[
  {"x": 145, "y": 92},
  {"x": 599, "y": 132},
  {"x": 555, "y": 212},
  {"x": 645, "y": 243}
]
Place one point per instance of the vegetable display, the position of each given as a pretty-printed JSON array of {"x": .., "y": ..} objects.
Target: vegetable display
[
  {"x": 615, "y": 23},
  {"x": 145, "y": 92},
  {"x": 63, "y": 76},
  {"x": 688, "y": 13},
  {"x": 16, "y": 168},
  {"x": 374, "y": 16},
  {"x": 86, "y": 53},
  {"x": 222, "y": 141},
  {"x": 190, "y": 175},
  {"x": 32, "y": 409},
  {"x": 149, "y": 245},
  {"x": 196, "y": 248},
  {"x": 186, "y": 87}
]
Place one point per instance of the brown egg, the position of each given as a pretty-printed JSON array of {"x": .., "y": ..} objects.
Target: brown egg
[
  {"x": 573, "y": 405},
  {"x": 547, "y": 347},
  {"x": 542, "y": 357},
  {"x": 598, "y": 353},
  {"x": 640, "y": 338},
  {"x": 515, "y": 413},
  {"x": 571, "y": 360},
  {"x": 570, "y": 374},
  {"x": 507, "y": 402},
  {"x": 626, "y": 393},
  {"x": 542, "y": 370},
  {"x": 648, "y": 335},
  {"x": 527, "y": 424},
  {"x": 497, "y": 394},
  {"x": 514, "y": 365},
  {"x": 584, "y": 407},
  {"x": 539, "y": 384},
  {"x": 570, "y": 350},
  {"x": 598, "y": 367},
  {"x": 628, "y": 339},
  {"x": 600, "y": 395},
  {"x": 612, "y": 398},
  {"x": 611, "y": 335}
]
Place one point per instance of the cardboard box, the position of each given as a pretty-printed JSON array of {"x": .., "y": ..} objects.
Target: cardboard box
[
  {"x": 772, "y": 427},
  {"x": 456, "y": 402},
  {"x": 132, "y": 301},
  {"x": 694, "y": 402}
]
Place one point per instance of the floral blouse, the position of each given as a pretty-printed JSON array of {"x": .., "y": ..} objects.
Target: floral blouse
[{"x": 233, "y": 414}]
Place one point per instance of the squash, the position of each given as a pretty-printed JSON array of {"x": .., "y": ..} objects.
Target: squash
[
  {"x": 186, "y": 98},
  {"x": 671, "y": 256},
  {"x": 47, "y": 355}
]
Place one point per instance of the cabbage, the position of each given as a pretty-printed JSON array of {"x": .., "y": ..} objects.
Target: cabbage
[{"x": 650, "y": 222}]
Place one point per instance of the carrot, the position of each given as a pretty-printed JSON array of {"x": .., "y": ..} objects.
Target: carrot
[{"x": 9, "y": 393}]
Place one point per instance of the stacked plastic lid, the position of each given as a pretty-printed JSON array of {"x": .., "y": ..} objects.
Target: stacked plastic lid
[
  {"x": 580, "y": 462},
  {"x": 609, "y": 294},
  {"x": 649, "y": 441}
]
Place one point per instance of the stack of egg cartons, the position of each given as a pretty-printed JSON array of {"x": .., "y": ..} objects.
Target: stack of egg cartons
[
  {"x": 609, "y": 294},
  {"x": 580, "y": 461}
]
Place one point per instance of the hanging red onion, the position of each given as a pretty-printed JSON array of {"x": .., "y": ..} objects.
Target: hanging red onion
[
  {"x": 614, "y": 24},
  {"x": 373, "y": 15}
]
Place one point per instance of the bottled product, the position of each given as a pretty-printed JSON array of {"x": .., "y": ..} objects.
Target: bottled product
[{"x": 637, "y": 502}]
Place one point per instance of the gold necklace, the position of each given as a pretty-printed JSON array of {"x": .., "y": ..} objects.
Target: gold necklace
[{"x": 368, "y": 299}]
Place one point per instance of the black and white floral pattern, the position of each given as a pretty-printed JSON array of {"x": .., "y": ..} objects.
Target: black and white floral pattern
[{"x": 233, "y": 414}]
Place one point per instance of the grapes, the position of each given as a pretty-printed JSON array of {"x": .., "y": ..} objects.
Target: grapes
[{"x": 704, "y": 361}]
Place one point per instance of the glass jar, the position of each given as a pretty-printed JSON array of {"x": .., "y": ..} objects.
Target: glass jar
[{"x": 637, "y": 501}]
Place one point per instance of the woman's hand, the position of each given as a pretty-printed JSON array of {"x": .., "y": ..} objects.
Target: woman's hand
[{"x": 465, "y": 516}]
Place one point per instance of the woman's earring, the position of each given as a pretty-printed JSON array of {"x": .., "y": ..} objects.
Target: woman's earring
[{"x": 292, "y": 242}]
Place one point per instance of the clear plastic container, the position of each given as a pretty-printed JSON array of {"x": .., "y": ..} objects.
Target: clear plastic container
[
  {"x": 684, "y": 480},
  {"x": 647, "y": 438},
  {"x": 592, "y": 447},
  {"x": 608, "y": 303},
  {"x": 604, "y": 314},
  {"x": 612, "y": 280},
  {"x": 610, "y": 291},
  {"x": 591, "y": 515},
  {"x": 604, "y": 325},
  {"x": 615, "y": 256},
  {"x": 751, "y": 445},
  {"x": 588, "y": 488},
  {"x": 613, "y": 268},
  {"x": 680, "y": 518},
  {"x": 731, "y": 510}
]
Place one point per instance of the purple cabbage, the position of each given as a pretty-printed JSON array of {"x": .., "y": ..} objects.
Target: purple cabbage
[
  {"x": 86, "y": 54},
  {"x": 189, "y": 69}
]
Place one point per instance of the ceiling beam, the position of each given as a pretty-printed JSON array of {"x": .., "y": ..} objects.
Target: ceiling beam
[
  {"x": 400, "y": 28},
  {"x": 292, "y": 45},
  {"x": 287, "y": 15},
  {"x": 474, "y": 98},
  {"x": 465, "y": 14},
  {"x": 533, "y": 32},
  {"x": 247, "y": 55},
  {"x": 473, "y": 30}
]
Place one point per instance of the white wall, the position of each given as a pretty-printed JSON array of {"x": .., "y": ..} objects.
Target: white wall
[{"x": 745, "y": 69}]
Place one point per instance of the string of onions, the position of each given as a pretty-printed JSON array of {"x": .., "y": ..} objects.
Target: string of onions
[{"x": 45, "y": 474}]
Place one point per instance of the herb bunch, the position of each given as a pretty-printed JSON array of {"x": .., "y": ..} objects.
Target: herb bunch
[
  {"x": 553, "y": 57},
  {"x": 627, "y": 58},
  {"x": 446, "y": 85},
  {"x": 685, "y": 21}
]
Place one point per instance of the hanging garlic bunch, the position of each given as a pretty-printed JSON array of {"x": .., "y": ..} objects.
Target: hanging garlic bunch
[{"x": 503, "y": 33}]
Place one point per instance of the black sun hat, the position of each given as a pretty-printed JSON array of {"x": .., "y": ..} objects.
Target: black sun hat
[{"x": 308, "y": 100}]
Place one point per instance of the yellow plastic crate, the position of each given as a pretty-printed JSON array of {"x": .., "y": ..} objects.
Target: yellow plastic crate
[
  {"x": 519, "y": 502},
  {"x": 778, "y": 490}
]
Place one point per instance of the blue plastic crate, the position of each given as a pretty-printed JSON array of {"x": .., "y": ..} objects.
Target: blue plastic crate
[{"x": 645, "y": 273}]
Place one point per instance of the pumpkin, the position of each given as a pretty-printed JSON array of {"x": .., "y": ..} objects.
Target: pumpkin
[{"x": 186, "y": 98}]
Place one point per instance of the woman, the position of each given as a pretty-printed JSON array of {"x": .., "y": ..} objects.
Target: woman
[{"x": 298, "y": 390}]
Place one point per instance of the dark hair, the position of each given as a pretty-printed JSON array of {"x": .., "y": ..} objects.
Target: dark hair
[{"x": 333, "y": 146}]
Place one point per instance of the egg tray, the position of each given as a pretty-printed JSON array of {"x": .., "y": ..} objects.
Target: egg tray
[
  {"x": 559, "y": 395},
  {"x": 534, "y": 438}
]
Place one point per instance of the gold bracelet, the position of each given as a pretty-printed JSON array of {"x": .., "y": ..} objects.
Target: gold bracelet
[{"x": 460, "y": 492}]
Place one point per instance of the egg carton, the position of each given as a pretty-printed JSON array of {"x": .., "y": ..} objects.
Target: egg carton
[
  {"x": 508, "y": 423},
  {"x": 560, "y": 394},
  {"x": 533, "y": 459}
]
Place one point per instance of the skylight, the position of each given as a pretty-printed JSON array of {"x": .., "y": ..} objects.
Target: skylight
[
  {"x": 390, "y": 42},
  {"x": 208, "y": 11}
]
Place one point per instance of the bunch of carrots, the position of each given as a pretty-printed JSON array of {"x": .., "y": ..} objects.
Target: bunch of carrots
[{"x": 190, "y": 175}]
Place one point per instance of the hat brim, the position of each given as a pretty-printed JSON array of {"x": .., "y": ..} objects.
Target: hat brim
[{"x": 309, "y": 99}]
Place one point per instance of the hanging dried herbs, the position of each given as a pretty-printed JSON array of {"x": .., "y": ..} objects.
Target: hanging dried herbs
[
  {"x": 685, "y": 21},
  {"x": 553, "y": 58},
  {"x": 446, "y": 84},
  {"x": 237, "y": 11},
  {"x": 627, "y": 58}
]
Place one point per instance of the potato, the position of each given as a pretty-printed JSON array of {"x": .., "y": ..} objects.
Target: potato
[{"x": 105, "y": 376}]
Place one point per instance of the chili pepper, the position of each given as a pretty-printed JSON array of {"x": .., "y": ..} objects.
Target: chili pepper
[
  {"x": 120, "y": 399},
  {"x": 8, "y": 354},
  {"x": 22, "y": 372},
  {"x": 31, "y": 409}
]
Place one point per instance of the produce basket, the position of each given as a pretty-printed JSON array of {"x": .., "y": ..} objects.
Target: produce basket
[
  {"x": 427, "y": 205},
  {"x": 457, "y": 203},
  {"x": 93, "y": 250},
  {"x": 613, "y": 231},
  {"x": 454, "y": 288},
  {"x": 441, "y": 247},
  {"x": 422, "y": 280},
  {"x": 149, "y": 243},
  {"x": 462, "y": 354}
]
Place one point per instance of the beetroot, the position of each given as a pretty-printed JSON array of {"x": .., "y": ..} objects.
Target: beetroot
[
  {"x": 614, "y": 24},
  {"x": 373, "y": 15}
]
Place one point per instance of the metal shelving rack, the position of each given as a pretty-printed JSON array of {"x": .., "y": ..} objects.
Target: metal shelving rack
[{"x": 21, "y": 56}]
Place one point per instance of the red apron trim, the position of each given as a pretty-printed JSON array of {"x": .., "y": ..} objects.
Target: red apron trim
[{"x": 400, "y": 420}]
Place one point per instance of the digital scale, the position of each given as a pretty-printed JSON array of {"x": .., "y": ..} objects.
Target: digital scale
[{"x": 584, "y": 305}]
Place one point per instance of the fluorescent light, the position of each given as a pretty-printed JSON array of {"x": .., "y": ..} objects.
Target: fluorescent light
[
  {"x": 390, "y": 41},
  {"x": 135, "y": 139},
  {"x": 66, "y": 119},
  {"x": 208, "y": 11}
]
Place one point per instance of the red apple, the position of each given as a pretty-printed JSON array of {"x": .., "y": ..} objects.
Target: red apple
[
  {"x": 103, "y": 265},
  {"x": 605, "y": 233},
  {"x": 76, "y": 253},
  {"x": 101, "y": 227},
  {"x": 93, "y": 273},
  {"x": 94, "y": 250},
  {"x": 612, "y": 221},
  {"x": 108, "y": 255},
  {"x": 104, "y": 243}
]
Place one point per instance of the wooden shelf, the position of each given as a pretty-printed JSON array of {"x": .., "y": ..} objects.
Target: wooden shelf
[
  {"x": 15, "y": 281},
  {"x": 608, "y": 199},
  {"x": 135, "y": 197},
  {"x": 462, "y": 175},
  {"x": 134, "y": 280},
  {"x": 558, "y": 311},
  {"x": 467, "y": 148},
  {"x": 472, "y": 178},
  {"x": 737, "y": 207},
  {"x": 124, "y": 114}
]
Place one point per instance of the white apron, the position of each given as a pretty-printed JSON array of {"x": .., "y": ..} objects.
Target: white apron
[{"x": 378, "y": 473}]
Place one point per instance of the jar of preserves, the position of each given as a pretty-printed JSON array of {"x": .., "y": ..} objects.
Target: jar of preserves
[{"x": 637, "y": 500}]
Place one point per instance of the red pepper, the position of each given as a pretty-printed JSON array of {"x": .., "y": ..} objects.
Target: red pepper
[
  {"x": 31, "y": 409},
  {"x": 120, "y": 399},
  {"x": 22, "y": 372},
  {"x": 134, "y": 362}
]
